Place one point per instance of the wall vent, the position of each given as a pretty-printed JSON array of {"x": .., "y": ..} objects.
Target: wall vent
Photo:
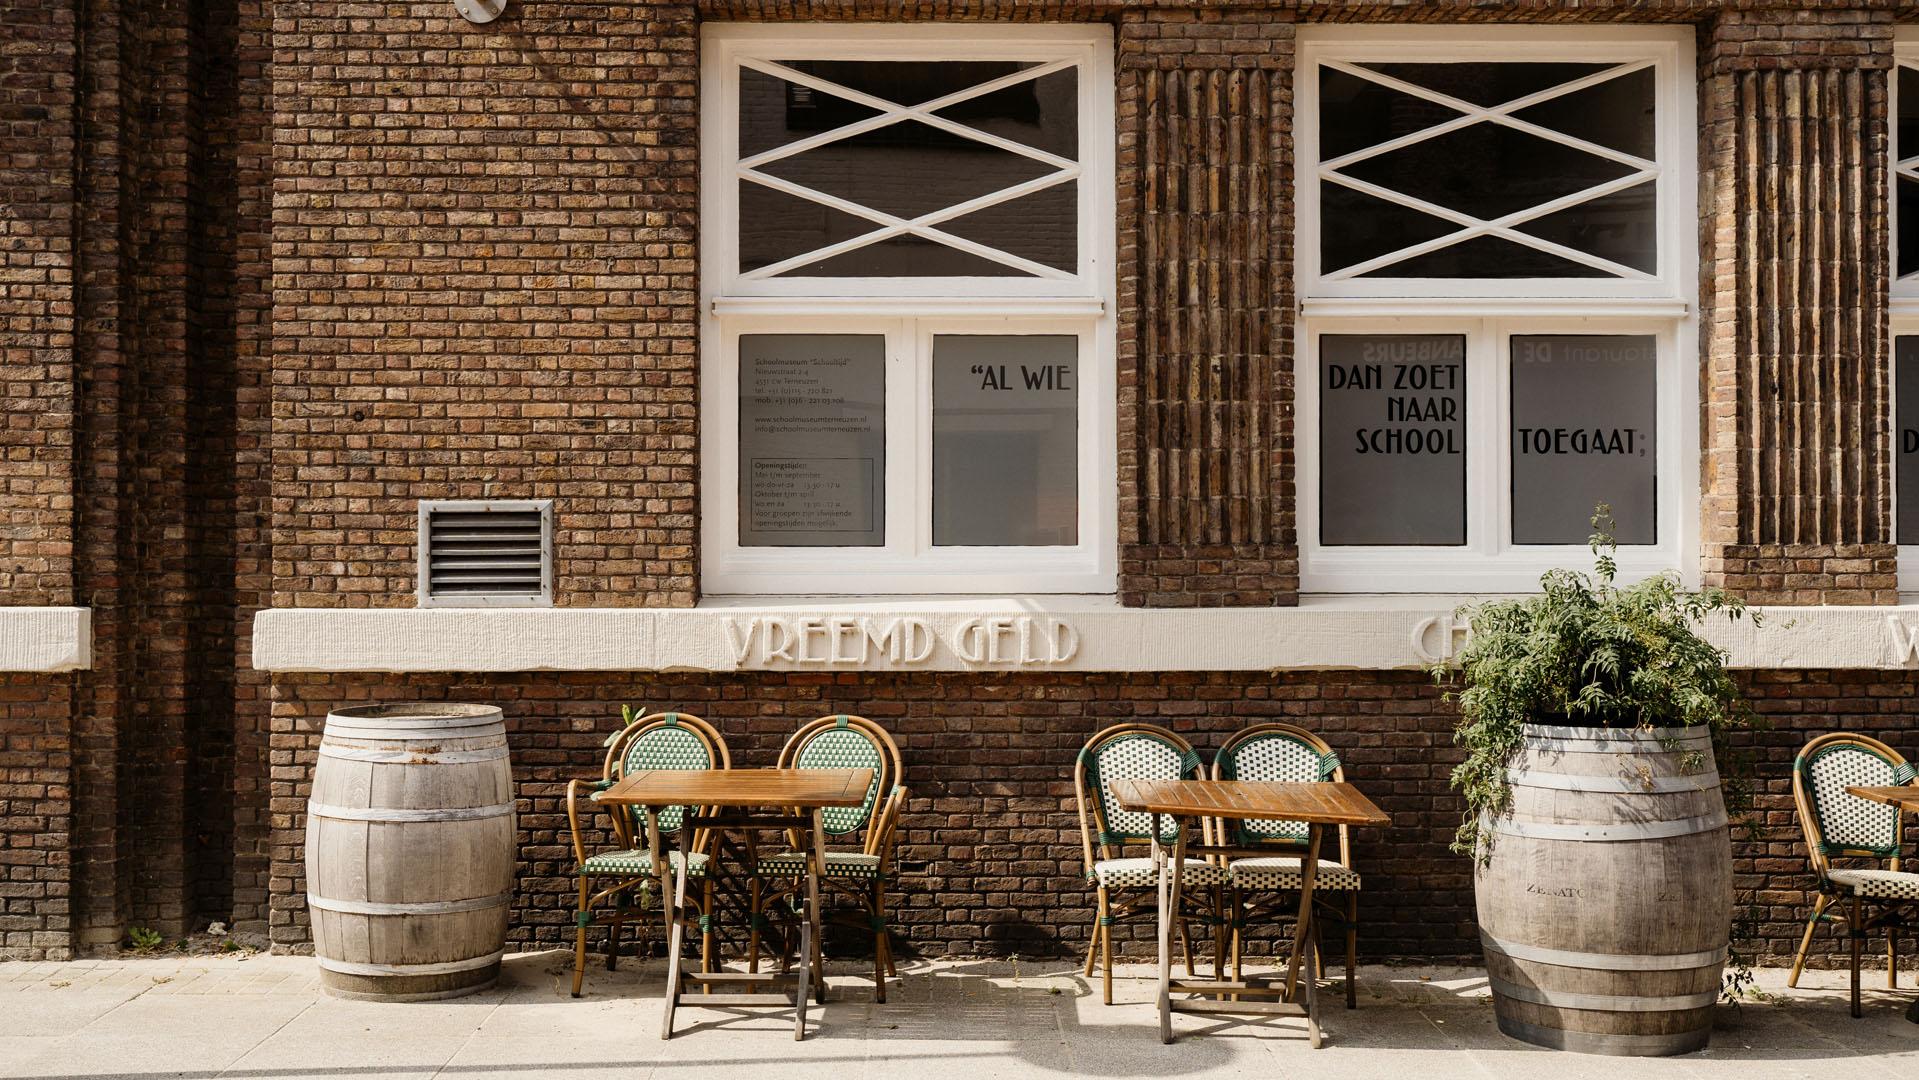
[{"x": 490, "y": 553}]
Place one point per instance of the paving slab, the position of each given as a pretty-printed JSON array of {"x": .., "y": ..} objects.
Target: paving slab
[{"x": 267, "y": 1018}]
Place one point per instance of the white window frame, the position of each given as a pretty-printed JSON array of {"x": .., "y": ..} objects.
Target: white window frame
[
  {"x": 908, "y": 311},
  {"x": 1489, "y": 561},
  {"x": 1489, "y": 313},
  {"x": 1669, "y": 52},
  {"x": 1901, "y": 161}
]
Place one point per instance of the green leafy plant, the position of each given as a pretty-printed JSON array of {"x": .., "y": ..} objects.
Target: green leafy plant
[
  {"x": 144, "y": 938},
  {"x": 1587, "y": 652}
]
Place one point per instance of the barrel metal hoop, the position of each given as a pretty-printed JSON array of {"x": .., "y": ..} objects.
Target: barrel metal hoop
[
  {"x": 392, "y": 814},
  {"x": 424, "y": 907},
  {"x": 1636, "y": 736},
  {"x": 1588, "y": 1042},
  {"x": 1651, "y": 785},
  {"x": 1561, "y": 999},
  {"x": 1655, "y": 830},
  {"x": 412, "y": 757},
  {"x": 1621, "y": 749},
  {"x": 1603, "y": 961},
  {"x": 348, "y": 967}
]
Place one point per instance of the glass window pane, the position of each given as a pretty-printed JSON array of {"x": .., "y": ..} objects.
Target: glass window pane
[
  {"x": 1906, "y": 371},
  {"x": 1487, "y": 170},
  {"x": 812, "y": 440},
  {"x": 1908, "y": 112},
  {"x": 1907, "y": 241},
  {"x": 1392, "y": 439},
  {"x": 907, "y": 169},
  {"x": 1584, "y": 414},
  {"x": 1005, "y": 440},
  {"x": 1487, "y": 84}
]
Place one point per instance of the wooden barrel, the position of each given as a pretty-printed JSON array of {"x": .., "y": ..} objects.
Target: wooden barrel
[
  {"x": 1607, "y": 905},
  {"x": 409, "y": 856}
]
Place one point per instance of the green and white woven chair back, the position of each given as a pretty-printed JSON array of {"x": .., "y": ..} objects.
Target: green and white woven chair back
[
  {"x": 1848, "y": 822},
  {"x": 844, "y": 747},
  {"x": 667, "y": 747},
  {"x": 1135, "y": 757},
  {"x": 1275, "y": 758}
]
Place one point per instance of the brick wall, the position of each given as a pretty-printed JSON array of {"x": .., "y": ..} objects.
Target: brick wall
[
  {"x": 1795, "y": 373},
  {"x": 483, "y": 287},
  {"x": 991, "y": 854}
]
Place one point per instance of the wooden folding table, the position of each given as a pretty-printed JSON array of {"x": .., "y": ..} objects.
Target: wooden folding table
[
  {"x": 1317, "y": 804},
  {"x": 721, "y": 801}
]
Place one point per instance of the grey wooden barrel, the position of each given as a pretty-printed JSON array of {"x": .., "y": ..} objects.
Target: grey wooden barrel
[
  {"x": 1607, "y": 905},
  {"x": 409, "y": 850}
]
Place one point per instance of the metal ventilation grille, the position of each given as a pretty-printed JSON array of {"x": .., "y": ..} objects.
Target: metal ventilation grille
[{"x": 492, "y": 553}]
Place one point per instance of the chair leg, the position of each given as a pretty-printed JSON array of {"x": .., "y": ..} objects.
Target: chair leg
[
  {"x": 753, "y": 927},
  {"x": 1805, "y": 940},
  {"x": 1857, "y": 932},
  {"x": 579, "y": 940},
  {"x": 613, "y": 931},
  {"x": 1106, "y": 943},
  {"x": 706, "y": 928},
  {"x": 1892, "y": 958},
  {"x": 1186, "y": 944},
  {"x": 1221, "y": 927},
  {"x": 1092, "y": 949},
  {"x": 1239, "y": 930},
  {"x": 881, "y": 947},
  {"x": 1352, "y": 947}
]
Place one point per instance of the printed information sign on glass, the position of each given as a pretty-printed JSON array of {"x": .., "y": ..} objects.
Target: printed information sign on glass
[{"x": 812, "y": 440}]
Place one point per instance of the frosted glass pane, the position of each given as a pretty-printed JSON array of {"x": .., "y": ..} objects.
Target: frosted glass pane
[
  {"x": 812, "y": 440},
  {"x": 1005, "y": 440},
  {"x": 1585, "y": 411},
  {"x": 1392, "y": 439},
  {"x": 1906, "y": 357}
]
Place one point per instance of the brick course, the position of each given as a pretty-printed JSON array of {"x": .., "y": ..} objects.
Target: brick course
[{"x": 991, "y": 855}]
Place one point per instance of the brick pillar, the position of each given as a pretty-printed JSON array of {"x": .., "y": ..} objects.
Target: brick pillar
[
  {"x": 1205, "y": 419},
  {"x": 1796, "y": 485}
]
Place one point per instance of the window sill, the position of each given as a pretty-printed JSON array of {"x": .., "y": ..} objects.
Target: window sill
[
  {"x": 46, "y": 639},
  {"x": 994, "y": 635}
]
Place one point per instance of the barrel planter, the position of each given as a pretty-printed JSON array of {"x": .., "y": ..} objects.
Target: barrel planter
[
  {"x": 1606, "y": 906},
  {"x": 409, "y": 851}
]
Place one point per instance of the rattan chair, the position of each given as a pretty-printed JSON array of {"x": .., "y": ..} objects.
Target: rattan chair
[
  {"x": 1840, "y": 825},
  {"x": 1283, "y": 753},
  {"x": 1125, "y": 886},
  {"x": 614, "y": 877},
  {"x": 854, "y": 883}
]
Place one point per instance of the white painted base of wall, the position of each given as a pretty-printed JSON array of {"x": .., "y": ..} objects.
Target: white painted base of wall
[
  {"x": 46, "y": 638},
  {"x": 1040, "y": 633}
]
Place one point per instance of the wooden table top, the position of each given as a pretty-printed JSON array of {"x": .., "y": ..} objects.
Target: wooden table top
[
  {"x": 1323, "y": 803},
  {"x": 807, "y": 788},
  {"x": 1905, "y": 796}
]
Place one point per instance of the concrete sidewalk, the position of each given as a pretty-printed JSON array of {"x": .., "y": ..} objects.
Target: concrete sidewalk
[{"x": 265, "y": 1018}]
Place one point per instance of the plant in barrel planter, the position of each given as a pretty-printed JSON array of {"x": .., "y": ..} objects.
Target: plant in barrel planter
[{"x": 1595, "y": 811}]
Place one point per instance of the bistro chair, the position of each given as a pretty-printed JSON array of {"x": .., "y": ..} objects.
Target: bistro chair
[
  {"x": 857, "y": 879},
  {"x": 1841, "y": 825},
  {"x": 1126, "y": 886},
  {"x": 1282, "y": 753},
  {"x": 657, "y": 741}
]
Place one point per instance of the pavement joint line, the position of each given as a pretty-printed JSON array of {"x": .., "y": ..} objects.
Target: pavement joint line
[
  {"x": 440, "y": 1070},
  {"x": 262, "y": 1041}
]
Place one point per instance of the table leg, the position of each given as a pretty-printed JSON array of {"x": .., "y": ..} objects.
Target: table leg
[
  {"x": 809, "y": 931},
  {"x": 1164, "y": 936},
  {"x": 1170, "y": 917},
  {"x": 1303, "y": 928},
  {"x": 672, "y": 912},
  {"x": 1311, "y": 994}
]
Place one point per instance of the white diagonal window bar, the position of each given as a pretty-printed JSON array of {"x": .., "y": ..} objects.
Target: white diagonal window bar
[
  {"x": 1065, "y": 169},
  {"x": 1504, "y": 226}
]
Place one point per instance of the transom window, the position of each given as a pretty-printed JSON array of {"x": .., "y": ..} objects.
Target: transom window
[
  {"x": 1494, "y": 258},
  {"x": 907, "y": 249},
  {"x": 1438, "y": 164}
]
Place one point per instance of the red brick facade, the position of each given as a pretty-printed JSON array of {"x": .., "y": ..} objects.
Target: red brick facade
[{"x": 272, "y": 273}]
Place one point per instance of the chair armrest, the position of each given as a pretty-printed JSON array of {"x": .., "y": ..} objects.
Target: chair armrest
[
  {"x": 880, "y": 840},
  {"x": 592, "y": 789}
]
